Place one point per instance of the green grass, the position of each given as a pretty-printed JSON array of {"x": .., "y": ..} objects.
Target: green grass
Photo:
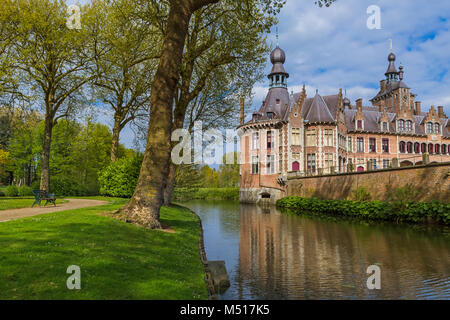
[
  {"x": 117, "y": 260},
  {"x": 17, "y": 203}
]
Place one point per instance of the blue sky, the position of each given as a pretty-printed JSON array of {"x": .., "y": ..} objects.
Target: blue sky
[{"x": 332, "y": 48}]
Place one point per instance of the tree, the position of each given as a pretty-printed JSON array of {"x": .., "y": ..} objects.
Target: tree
[
  {"x": 53, "y": 58},
  {"x": 224, "y": 57},
  {"x": 144, "y": 207},
  {"x": 229, "y": 174},
  {"x": 131, "y": 46}
]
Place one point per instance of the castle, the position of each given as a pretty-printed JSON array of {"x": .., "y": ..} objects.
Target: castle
[{"x": 296, "y": 134}]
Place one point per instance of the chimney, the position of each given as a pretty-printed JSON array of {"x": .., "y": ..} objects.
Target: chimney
[
  {"x": 359, "y": 104},
  {"x": 242, "y": 111},
  {"x": 383, "y": 85},
  {"x": 441, "y": 113},
  {"x": 418, "y": 108}
]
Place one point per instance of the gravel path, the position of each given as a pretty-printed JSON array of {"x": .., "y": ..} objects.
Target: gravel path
[{"x": 13, "y": 214}]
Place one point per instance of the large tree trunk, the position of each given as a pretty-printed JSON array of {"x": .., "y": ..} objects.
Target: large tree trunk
[
  {"x": 115, "y": 139},
  {"x": 144, "y": 207},
  {"x": 45, "y": 160},
  {"x": 168, "y": 191}
]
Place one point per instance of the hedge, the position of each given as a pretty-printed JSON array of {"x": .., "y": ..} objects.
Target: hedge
[
  {"x": 186, "y": 194},
  {"x": 413, "y": 212}
]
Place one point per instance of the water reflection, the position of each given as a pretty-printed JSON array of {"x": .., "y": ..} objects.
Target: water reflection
[{"x": 270, "y": 255}]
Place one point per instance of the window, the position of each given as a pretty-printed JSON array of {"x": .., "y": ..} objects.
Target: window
[
  {"x": 350, "y": 144},
  {"x": 373, "y": 164},
  {"x": 270, "y": 164},
  {"x": 429, "y": 127},
  {"x": 270, "y": 142},
  {"x": 311, "y": 138},
  {"x": 372, "y": 145},
  {"x": 385, "y": 145},
  {"x": 270, "y": 115},
  {"x": 255, "y": 141},
  {"x": 402, "y": 147},
  {"x": 437, "y": 148},
  {"x": 255, "y": 165},
  {"x": 437, "y": 127},
  {"x": 311, "y": 162},
  {"x": 444, "y": 149},
  {"x": 417, "y": 147},
  {"x": 423, "y": 148},
  {"x": 400, "y": 125},
  {"x": 359, "y": 124},
  {"x": 430, "y": 148},
  {"x": 296, "y": 136},
  {"x": 385, "y": 126},
  {"x": 385, "y": 163},
  {"x": 360, "y": 144},
  {"x": 328, "y": 138},
  {"x": 328, "y": 161},
  {"x": 409, "y": 147},
  {"x": 408, "y": 125}
]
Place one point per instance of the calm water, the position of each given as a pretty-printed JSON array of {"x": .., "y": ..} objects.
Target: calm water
[{"x": 271, "y": 255}]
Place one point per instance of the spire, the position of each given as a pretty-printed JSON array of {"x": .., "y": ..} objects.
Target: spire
[
  {"x": 277, "y": 36},
  {"x": 391, "y": 73},
  {"x": 278, "y": 76}
]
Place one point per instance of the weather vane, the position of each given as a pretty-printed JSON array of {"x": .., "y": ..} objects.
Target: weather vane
[{"x": 277, "y": 35}]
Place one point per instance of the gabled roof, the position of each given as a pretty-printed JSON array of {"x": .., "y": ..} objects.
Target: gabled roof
[{"x": 316, "y": 110}]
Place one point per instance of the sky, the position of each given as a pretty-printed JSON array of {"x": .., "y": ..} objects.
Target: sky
[{"x": 332, "y": 48}]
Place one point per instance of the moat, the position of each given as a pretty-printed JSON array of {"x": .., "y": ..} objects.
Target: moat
[{"x": 274, "y": 255}]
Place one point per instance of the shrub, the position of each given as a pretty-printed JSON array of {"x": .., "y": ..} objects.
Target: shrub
[
  {"x": 11, "y": 191},
  {"x": 120, "y": 178},
  {"x": 65, "y": 186},
  {"x": 186, "y": 194},
  {"x": 25, "y": 191},
  {"x": 372, "y": 210},
  {"x": 361, "y": 194}
]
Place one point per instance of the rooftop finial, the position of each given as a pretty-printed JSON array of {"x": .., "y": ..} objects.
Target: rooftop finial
[
  {"x": 391, "y": 43},
  {"x": 277, "y": 35}
]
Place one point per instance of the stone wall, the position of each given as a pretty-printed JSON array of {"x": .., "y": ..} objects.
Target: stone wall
[{"x": 430, "y": 182}]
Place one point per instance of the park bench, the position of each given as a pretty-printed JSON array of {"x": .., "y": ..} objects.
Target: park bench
[{"x": 40, "y": 195}]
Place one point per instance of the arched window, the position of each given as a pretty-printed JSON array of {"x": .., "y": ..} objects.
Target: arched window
[
  {"x": 429, "y": 127},
  {"x": 408, "y": 125},
  {"x": 400, "y": 125},
  {"x": 409, "y": 147},
  {"x": 402, "y": 146},
  {"x": 437, "y": 148},
  {"x": 437, "y": 127},
  {"x": 444, "y": 149},
  {"x": 430, "y": 148},
  {"x": 417, "y": 147},
  {"x": 423, "y": 148}
]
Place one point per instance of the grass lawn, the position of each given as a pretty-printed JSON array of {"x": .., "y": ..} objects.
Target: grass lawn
[
  {"x": 117, "y": 260},
  {"x": 11, "y": 203}
]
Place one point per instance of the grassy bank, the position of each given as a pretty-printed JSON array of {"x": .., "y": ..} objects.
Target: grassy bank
[
  {"x": 186, "y": 194},
  {"x": 411, "y": 212},
  {"x": 17, "y": 203},
  {"x": 117, "y": 260}
]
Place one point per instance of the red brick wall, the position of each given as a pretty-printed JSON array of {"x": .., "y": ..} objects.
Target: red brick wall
[{"x": 432, "y": 182}]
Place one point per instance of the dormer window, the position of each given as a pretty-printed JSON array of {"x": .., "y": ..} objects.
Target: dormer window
[
  {"x": 408, "y": 125},
  {"x": 437, "y": 127},
  {"x": 359, "y": 124},
  {"x": 400, "y": 125},
  {"x": 270, "y": 115},
  {"x": 429, "y": 127},
  {"x": 384, "y": 126}
]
